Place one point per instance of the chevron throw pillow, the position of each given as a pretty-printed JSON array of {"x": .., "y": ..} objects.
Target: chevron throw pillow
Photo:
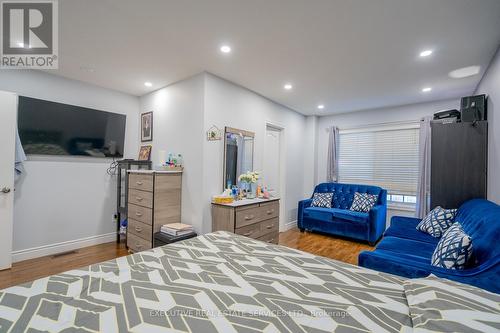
[
  {"x": 454, "y": 249},
  {"x": 323, "y": 200},
  {"x": 437, "y": 221},
  {"x": 363, "y": 202}
]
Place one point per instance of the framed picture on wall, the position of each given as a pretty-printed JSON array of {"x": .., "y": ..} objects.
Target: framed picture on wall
[
  {"x": 145, "y": 153},
  {"x": 147, "y": 127}
]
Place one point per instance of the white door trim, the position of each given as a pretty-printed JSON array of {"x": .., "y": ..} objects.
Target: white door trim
[{"x": 282, "y": 159}]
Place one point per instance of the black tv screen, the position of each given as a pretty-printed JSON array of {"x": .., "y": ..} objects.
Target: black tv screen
[{"x": 50, "y": 128}]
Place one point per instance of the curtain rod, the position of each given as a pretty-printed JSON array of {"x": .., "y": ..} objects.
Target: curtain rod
[{"x": 409, "y": 122}]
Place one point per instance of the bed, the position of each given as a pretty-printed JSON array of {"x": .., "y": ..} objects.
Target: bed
[{"x": 221, "y": 282}]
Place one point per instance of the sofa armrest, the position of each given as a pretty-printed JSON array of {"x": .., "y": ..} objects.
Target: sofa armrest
[
  {"x": 303, "y": 204},
  {"x": 377, "y": 226}
]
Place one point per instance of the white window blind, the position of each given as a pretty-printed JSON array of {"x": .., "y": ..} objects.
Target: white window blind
[{"x": 385, "y": 156}]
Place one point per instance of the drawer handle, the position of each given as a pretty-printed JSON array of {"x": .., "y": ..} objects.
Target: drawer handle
[
  {"x": 138, "y": 198},
  {"x": 270, "y": 226},
  {"x": 138, "y": 214},
  {"x": 250, "y": 217},
  {"x": 269, "y": 212},
  {"x": 271, "y": 240},
  {"x": 137, "y": 245},
  {"x": 247, "y": 234},
  {"x": 138, "y": 229},
  {"x": 138, "y": 183}
]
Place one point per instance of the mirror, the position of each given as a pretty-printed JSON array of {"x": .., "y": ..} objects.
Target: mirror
[{"x": 238, "y": 154}]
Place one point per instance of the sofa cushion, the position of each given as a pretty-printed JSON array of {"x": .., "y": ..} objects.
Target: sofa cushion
[
  {"x": 411, "y": 249},
  {"x": 319, "y": 213},
  {"x": 405, "y": 227},
  {"x": 343, "y": 194},
  {"x": 437, "y": 221},
  {"x": 329, "y": 214},
  {"x": 349, "y": 215},
  {"x": 322, "y": 200},
  {"x": 453, "y": 250},
  {"x": 363, "y": 202}
]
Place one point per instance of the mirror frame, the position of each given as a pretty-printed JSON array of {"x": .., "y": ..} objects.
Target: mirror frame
[{"x": 234, "y": 131}]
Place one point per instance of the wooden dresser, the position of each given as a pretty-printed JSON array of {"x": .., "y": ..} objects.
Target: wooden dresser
[
  {"x": 254, "y": 218},
  {"x": 154, "y": 199}
]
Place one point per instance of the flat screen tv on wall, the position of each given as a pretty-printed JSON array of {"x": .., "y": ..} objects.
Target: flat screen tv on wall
[{"x": 50, "y": 128}]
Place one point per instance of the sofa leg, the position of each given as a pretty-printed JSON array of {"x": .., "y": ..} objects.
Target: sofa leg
[{"x": 302, "y": 229}]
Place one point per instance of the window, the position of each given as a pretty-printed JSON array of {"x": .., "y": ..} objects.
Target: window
[{"x": 385, "y": 156}]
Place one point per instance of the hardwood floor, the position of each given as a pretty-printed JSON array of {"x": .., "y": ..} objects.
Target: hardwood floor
[
  {"x": 327, "y": 246},
  {"x": 28, "y": 270},
  {"x": 33, "y": 269}
]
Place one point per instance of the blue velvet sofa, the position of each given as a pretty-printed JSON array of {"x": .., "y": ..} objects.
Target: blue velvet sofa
[
  {"x": 407, "y": 252},
  {"x": 341, "y": 221}
]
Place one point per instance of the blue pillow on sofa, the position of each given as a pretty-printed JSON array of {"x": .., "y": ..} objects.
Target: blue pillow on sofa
[
  {"x": 453, "y": 250},
  {"x": 323, "y": 200},
  {"x": 437, "y": 221},
  {"x": 363, "y": 202}
]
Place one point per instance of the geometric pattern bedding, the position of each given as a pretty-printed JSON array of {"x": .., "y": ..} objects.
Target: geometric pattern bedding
[
  {"x": 219, "y": 282},
  {"x": 438, "y": 305}
]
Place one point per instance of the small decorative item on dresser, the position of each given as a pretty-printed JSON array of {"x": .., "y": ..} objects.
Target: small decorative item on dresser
[
  {"x": 145, "y": 153},
  {"x": 251, "y": 178},
  {"x": 161, "y": 238}
]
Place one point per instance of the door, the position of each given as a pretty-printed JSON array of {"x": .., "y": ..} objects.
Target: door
[
  {"x": 272, "y": 163},
  {"x": 8, "y": 112}
]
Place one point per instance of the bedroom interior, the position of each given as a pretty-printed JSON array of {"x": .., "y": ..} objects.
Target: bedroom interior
[{"x": 250, "y": 166}]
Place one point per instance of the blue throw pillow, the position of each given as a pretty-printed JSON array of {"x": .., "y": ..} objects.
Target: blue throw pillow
[
  {"x": 453, "y": 250},
  {"x": 437, "y": 221},
  {"x": 322, "y": 200},
  {"x": 363, "y": 202}
]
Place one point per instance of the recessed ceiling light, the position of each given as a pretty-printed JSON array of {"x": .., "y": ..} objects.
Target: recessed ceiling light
[
  {"x": 20, "y": 44},
  {"x": 464, "y": 72},
  {"x": 148, "y": 84},
  {"x": 425, "y": 53},
  {"x": 288, "y": 86},
  {"x": 225, "y": 49},
  {"x": 426, "y": 89},
  {"x": 321, "y": 106}
]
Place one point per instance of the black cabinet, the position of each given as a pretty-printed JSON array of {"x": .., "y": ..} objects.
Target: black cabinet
[{"x": 459, "y": 163}]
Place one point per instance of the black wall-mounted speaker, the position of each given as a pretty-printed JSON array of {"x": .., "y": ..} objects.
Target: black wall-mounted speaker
[{"x": 473, "y": 108}]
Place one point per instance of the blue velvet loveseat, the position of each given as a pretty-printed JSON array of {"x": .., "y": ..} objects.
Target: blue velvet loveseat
[
  {"x": 341, "y": 221},
  {"x": 407, "y": 252}
]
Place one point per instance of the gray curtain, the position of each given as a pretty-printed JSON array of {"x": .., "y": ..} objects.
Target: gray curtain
[
  {"x": 424, "y": 167},
  {"x": 332, "y": 166}
]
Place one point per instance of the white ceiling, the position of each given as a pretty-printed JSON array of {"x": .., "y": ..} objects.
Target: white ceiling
[{"x": 346, "y": 54}]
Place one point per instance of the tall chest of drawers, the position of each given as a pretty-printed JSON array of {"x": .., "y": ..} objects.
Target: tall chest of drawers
[
  {"x": 254, "y": 218},
  {"x": 154, "y": 199}
]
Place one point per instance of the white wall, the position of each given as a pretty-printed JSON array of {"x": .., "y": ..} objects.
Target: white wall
[
  {"x": 490, "y": 85},
  {"x": 185, "y": 111},
  {"x": 64, "y": 199},
  {"x": 227, "y": 104},
  {"x": 178, "y": 128}
]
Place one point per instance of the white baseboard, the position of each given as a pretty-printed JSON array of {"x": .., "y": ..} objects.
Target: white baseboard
[
  {"x": 46, "y": 250},
  {"x": 289, "y": 225}
]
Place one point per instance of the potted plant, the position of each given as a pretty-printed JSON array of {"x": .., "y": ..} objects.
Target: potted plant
[{"x": 251, "y": 178}]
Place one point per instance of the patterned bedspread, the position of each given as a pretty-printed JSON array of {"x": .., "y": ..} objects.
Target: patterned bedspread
[{"x": 218, "y": 282}]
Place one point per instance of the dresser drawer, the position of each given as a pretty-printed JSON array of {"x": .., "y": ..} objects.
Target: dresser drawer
[
  {"x": 141, "y": 198},
  {"x": 270, "y": 238},
  {"x": 141, "y": 214},
  {"x": 252, "y": 231},
  {"x": 136, "y": 243},
  {"x": 269, "y": 210},
  {"x": 140, "y": 182},
  {"x": 247, "y": 215},
  {"x": 140, "y": 229},
  {"x": 269, "y": 226}
]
